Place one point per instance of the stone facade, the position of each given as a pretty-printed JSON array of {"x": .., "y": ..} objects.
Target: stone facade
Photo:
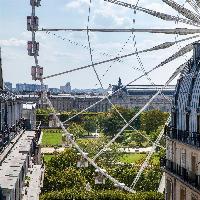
[
  {"x": 134, "y": 96},
  {"x": 182, "y": 163}
]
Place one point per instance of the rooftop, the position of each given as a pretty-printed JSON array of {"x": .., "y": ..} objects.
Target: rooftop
[{"x": 11, "y": 166}]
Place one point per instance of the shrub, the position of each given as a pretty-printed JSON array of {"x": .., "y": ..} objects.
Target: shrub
[{"x": 101, "y": 195}]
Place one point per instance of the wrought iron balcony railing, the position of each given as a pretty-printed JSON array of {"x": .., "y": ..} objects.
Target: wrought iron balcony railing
[
  {"x": 187, "y": 176},
  {"x": 191, "y": 138}
]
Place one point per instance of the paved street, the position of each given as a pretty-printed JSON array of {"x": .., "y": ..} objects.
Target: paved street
[
  {"x": 50, "y": 150},
  {"x": 136, "y": 150}
]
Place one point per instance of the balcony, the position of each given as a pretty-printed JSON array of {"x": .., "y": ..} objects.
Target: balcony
[
  {"x": 186, "y": 137},
  {"x": 185, "y": 175}
]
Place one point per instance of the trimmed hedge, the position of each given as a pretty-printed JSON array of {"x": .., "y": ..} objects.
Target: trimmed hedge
[{"x": 102, "y": 195}]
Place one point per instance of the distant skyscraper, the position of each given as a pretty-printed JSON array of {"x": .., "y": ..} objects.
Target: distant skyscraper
[
  {"x": 24, "y": 87},
  {"x": 66, "y": 88}
]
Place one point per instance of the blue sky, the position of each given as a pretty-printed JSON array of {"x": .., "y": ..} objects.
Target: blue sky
[{"x": 57, "y": 55}]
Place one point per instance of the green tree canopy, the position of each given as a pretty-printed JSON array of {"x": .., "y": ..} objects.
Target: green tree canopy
[
  {"x": 77, "y": 130},
  {"x": 151, "y": 120},
  {"x": 112, "y": 122},
  {"x": 90, "y": 123}
]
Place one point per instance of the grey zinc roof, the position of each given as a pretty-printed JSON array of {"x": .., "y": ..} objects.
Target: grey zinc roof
[{"x": 11, "y": 166}]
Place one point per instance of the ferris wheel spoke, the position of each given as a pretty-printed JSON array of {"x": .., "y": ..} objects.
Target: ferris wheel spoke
[
  {"x": 183, "y": 11},
  {"x": 179, "y": 31},
  {"x": 197, "y": 2},
  {"x": 179, "y": 70},
  {"x": 172, "y": 77},
  {"x": 181, "y": 52},
  {"x": 194, "y": 6},
  {"x": 145, "y": 163},
  {"x": 178, "y": 54},
  {"x": 154, "y": 13}
]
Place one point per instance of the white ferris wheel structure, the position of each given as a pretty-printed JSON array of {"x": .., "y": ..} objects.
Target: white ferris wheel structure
[{"x": 188, "y": 15}]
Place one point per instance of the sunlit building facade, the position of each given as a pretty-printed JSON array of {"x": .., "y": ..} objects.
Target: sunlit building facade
[{"x": 182, "y": 163}]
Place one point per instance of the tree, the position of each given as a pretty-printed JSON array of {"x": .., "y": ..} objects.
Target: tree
[
  {"x": 46, "y": 111},
  {"x": 77, "y": 130},
  {"x": 150, "y": 179},
  {"x": 90, "y": 124},
  {"x": 151, "y": 120},
  {"x": 93, "y": 146},
  {"x": 113, "y": 122},
  {"x": 138, "y": 138},
  {"x": 68, "y": 178}
]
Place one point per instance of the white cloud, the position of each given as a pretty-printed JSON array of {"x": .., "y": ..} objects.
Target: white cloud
[
  {"x": 78, "y": 5},
  {"x": 39, "y": 35},
  {"x": 13, "y": 42}
]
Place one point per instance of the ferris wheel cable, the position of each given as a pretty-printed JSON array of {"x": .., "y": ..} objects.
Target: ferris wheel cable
[
  {"x": 138, "y": 58},
  {"x": 145, "y": 163},
  {"x": 99, "y": 80},
  {"x": 180, "y": 31},
  {"x": 194, "y": 6},
  {"x": 171, "y": 58},
  {"x": 176, "y": 36},
  {"x": 141, "y": 63},
  {"x": 197, "y": 3},
  {"x": 117, "y": 55},
  {"x": 181, "y": 52},
  {"x": 135, "y": 68},
  {"x": 148, "y": 78},
  {"x": 160, "y": 15},
  {"x": 172, "y": 77},
  {"x": 183, "y": 11},
  {"x": 78, "y": 44},
  {"x": 89, "y": 45}
]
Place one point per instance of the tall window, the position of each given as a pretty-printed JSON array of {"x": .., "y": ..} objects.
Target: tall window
[
  {"x": 183, "y": 158},
  {"x": 187, "y": 119},
  {"x": 182, "y": 194},
  {"x": 169, "y": 190},
  {"x": 198, "y": 124},
  {"x": 175, "y": 119},
  {"x": 193, "y": 163}
]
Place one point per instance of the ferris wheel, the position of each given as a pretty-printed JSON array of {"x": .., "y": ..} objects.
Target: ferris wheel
[{"x": 185, "y": 17}]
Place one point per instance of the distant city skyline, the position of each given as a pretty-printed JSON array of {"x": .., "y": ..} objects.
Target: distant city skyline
[{"x": 29, "y": 87}]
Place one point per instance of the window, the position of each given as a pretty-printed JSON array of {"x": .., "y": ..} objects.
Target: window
[
  {"x": 187, "y": 121},
  {"x": 193, "y": 163},
  {"x": 169, "y": 151},
  {"x": 169, "y": 191},
  {"x": 175, "y": 119},
  {"x": 183, "y": 158},
  {"x": 198, "y": 123},
  {"x": 182, "y": 194}
]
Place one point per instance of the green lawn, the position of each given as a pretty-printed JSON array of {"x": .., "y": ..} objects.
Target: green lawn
[
  {"x": 47, "y": 157},
  {"x": 51, "y": 139},
  {"x": 132, "y": 158}
]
